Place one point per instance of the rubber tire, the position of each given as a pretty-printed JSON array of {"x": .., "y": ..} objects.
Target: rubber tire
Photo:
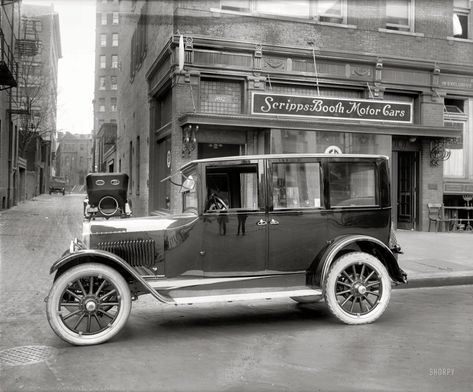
[
  {"x": 71, "y": 275},
  {"x": 329, "y": 288}
]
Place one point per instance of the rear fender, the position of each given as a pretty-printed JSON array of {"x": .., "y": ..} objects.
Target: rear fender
[
  {"x": 342, "y": 245},
  {"x": 69, "y": 260}
]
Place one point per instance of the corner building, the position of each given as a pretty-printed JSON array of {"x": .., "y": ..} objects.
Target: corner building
[{"x": 219, "y": 78}]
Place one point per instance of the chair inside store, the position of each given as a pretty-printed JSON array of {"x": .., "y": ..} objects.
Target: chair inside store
[{"x": 436, "y": 216}]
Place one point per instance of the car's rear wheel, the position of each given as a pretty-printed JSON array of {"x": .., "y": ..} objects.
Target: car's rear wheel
[
  {"x": 357, "y": 288},
  {"x": 88, "y": 304}
]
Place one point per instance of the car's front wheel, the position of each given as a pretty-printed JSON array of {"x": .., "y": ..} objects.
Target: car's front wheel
[
  {"x": 357, "y": 288},
  {"x": 88, "y": 304}
]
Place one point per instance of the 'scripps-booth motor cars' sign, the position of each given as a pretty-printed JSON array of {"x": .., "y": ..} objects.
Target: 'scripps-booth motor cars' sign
[{"x": 325, "y": 107}]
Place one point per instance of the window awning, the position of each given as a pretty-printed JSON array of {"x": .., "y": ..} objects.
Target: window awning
[
  {"x": 7, "y": 80},
  {"x": 279, "y": 122}
]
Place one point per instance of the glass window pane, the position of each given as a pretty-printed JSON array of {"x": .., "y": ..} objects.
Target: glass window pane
[
  {"x": 296, "y": 185},
  {"x": 352, "y": 184},
  {"x": 397, "y": 12},
  {"x": 329, "y": 7},
  {"x": 297, "y": 8},
  {"x": 287, "y": 141},
  {"x": 236, "y": 5},
  {"x": 461, "y": 3},
  {"x": 454, "y": 166}
]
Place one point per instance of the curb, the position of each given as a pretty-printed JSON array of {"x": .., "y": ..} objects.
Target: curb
[{"x": 438, "y": 280}]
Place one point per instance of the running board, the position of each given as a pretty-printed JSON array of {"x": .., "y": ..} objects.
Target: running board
[{"x": 246, "y": 297}]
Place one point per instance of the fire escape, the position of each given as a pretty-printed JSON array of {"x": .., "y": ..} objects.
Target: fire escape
[
  {"x": 8, "y": 66},
  {"x": 27, "y": 47}
]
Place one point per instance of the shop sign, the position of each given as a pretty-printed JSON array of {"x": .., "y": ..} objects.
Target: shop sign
[
  {"x": 456, "y": 82},
  {"x": 338, "y": 108}
]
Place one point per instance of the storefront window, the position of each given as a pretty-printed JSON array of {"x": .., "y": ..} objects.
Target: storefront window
[
  {"x": 454, "y": 166},
  {"x": 455, "y": 116},
  {"x": 286, "y": 141}
]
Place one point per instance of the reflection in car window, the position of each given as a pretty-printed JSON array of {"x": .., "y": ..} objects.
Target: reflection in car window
[
  {"x": 352, "y": 184},
  {"x": 296, "y": 185},
  {"x": 230, "y": 187}
]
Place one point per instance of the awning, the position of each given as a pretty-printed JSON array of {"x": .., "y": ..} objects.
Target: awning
[
  {"x": 280, "y": 122},
  {"x": 7, "y": 80}
]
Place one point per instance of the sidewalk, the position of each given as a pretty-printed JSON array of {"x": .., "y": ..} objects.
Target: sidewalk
[{"x": 436, "y": 259}]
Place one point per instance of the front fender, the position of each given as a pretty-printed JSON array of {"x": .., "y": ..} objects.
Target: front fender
[
  {"x": 71, "y": 259},
  {"x": 366, "y": 244}
]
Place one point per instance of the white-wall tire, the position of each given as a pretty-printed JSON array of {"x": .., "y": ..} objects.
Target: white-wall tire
[
  {"x": 357, "y": 288},
  {"x": 88, "y": 304}
]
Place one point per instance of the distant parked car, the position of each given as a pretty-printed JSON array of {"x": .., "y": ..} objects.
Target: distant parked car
[
  {"x": 57, "y": 185},
  {"x": 106, "y": 195},
  {"x": 307, "y": 227}
]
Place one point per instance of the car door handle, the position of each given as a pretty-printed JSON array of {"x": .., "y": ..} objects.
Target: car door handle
[
  {"x": 261, "y": 222},
  {"x": 273, "y": 222}
]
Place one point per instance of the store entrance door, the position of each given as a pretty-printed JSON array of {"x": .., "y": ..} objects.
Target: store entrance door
[{"x": 407, "y": 190}]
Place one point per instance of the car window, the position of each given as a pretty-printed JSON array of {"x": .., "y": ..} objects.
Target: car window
[
  {"x": 232, "y": 187},
  {"x": 296, "y": 185},
  {"x": 352, "y": 184}
]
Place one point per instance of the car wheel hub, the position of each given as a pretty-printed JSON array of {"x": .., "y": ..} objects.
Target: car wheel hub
[
  {"x": 90, "y": 305},
  {"x": 359, "y": 289}
]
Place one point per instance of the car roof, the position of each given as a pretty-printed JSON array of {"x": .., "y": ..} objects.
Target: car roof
[{"x": 282, "y": 156}]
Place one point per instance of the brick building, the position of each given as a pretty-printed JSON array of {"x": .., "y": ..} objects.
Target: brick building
[
  {"x": 74, "y": 159},
  {"x": 8, "y": 81},
  {"x": 105, "y": 148},
  {"x": 106, "y": 68},
  {"x": 215, "y": 78},
  {"x": 29, "y": 119}
]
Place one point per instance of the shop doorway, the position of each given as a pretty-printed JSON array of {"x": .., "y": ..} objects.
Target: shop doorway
[{"x": 407, "y": 204}]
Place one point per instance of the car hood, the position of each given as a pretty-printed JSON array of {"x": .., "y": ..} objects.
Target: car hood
[{"x": 158, "y": 229}]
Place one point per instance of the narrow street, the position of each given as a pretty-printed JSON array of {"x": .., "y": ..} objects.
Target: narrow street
[{"x": 424, "y": 341}]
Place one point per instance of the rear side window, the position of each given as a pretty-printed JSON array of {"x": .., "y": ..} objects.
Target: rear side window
[
  {"x": 296, "y": 185},
  {"x": 352, "y": 184}
]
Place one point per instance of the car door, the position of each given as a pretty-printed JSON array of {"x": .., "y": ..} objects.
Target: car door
[
  {"x": 234, "y": 221},
  {"x": 297, "y": 217}
]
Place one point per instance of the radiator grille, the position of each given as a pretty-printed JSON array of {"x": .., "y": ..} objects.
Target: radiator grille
[{"x": 134, "y": 252}]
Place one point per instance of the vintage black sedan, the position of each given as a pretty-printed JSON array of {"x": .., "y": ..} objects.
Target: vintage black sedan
[{"x": 308, "y": 227}]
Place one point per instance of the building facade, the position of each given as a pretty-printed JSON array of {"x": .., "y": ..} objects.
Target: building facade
[
  {"x": 107, "y": 66},
  {"x": 8, "y": 82},
  {"x": 216, "y": 78},
  {"x": 29, "y": 122},
  {"x": 74, "y": 159},
  {"x": 106, "y": 147}
]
